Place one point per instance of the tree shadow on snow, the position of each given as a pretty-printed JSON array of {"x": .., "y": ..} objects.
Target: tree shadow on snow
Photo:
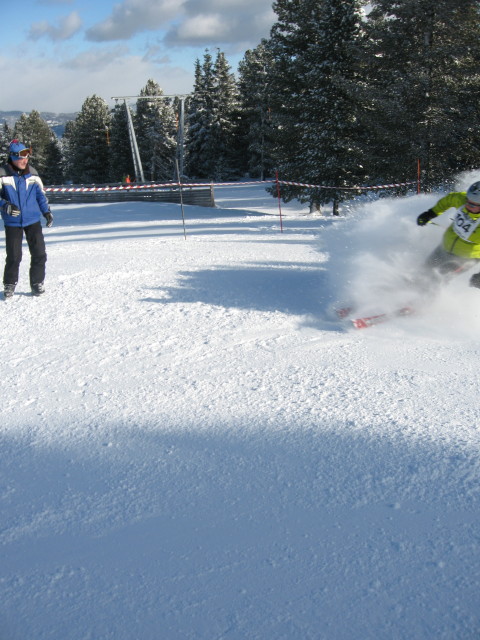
[
  {"x": 238, "y": 531},
  {"x": 294, "y": 288}
]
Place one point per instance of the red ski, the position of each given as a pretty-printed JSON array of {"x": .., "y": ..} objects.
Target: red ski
[{"x": 369, "y": 321}]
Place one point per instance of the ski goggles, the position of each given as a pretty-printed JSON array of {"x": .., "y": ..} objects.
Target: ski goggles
[
  {"x": 472, "y": 205},
  {"x": 24, "y": 153}
]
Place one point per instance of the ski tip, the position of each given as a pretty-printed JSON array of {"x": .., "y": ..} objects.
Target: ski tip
[
  {"x": 363, "y": 323},
  {"x": 359, "y": 323},
  {"x": 369, "y": 321}
]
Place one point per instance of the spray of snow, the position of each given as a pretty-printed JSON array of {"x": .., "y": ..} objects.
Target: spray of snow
[{"x": 377, "y": 253}]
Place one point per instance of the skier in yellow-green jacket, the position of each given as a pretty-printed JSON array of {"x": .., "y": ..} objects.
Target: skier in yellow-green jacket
[{"x": 460, "y": 247}]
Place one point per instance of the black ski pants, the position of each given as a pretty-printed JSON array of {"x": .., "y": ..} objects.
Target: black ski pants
[{"x": 38, "y": 254}]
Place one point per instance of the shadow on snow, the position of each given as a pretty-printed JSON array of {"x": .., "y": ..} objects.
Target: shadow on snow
[{"x": 238, "y": 532}]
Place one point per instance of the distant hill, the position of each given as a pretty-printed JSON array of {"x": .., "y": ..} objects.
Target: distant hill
[{"x": 56, "y": 121}]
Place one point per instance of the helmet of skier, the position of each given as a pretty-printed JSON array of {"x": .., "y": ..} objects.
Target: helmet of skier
[
  {"x": 473, "y": 193},
  {"x": 17, "y": 150}
]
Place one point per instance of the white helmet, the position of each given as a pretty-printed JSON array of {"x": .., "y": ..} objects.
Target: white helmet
[{"x": 473, "y": 193}]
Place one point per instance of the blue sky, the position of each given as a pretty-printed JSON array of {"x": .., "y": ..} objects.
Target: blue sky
[{"x": 56, "y": 53}]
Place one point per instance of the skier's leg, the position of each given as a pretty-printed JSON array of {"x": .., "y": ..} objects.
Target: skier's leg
[
  {"x": 448, "y": 265},
  {"x": 13, "y": 246},
  {"x": 441, "y": 266},
  {"x": 36, "y": 244}
]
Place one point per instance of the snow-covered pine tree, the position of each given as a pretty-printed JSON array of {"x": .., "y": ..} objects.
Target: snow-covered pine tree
[
  {"x": 6, "y": 135},
  {"x": 89, "y": 142},
  {"x": 331, "y": 139},
  {"x": 53, "y": 171},
  {"x": 212, "y": 114},
  {"x": 155, "y": 126},
  {"x": 316, "y": 105},
  {"x": 289, "y": 40},
  {"x": 121, "y": 161},
  {"x": 34, "y": 131},
  {"x": 423, "y": 63},
  {"x": 198, "y": 146},
  {"x": 254, "y": 95},
  {"x": 67, "y": 150},
  {"x": 225, "y": 112}
]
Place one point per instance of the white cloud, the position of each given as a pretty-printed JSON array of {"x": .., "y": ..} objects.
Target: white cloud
[
  {"x": 233, "y": 27},
  {"x": 95, "y": 59},
  {"x": 203, "y": 28},
  {"x": 67, "y": 27},
  {"x": 133, "y": 16},
  {"x": 50, "y": 86},
  {"x": 189, "y": 22},
  {"x": 239, "y": 6},
  {"x": 157, "y": 55}
]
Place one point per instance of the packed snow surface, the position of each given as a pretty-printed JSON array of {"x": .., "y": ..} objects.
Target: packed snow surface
[{"x": 194, "y": 447}]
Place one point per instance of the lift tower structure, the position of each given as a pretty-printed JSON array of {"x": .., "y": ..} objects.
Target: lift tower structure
[{"x": 137, "y": 162}]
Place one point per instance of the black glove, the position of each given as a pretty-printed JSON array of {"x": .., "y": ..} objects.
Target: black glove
[
  {"x": 425, "y": 217},
  {"x": 49, "y": 218},
  {"x": 475, "y": 280},
  {"x": 11, "y": 210}
]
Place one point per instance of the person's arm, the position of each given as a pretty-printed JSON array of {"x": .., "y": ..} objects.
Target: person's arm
[
  {"x": 40, "y": 195},
  {"x": 7, "y": 208},
  {"x": 43, "y": 202},
  {"x": 454, "y": 199}
]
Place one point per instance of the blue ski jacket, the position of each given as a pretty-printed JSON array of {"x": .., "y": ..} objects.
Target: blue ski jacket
[{"x": 25, "y": 190}]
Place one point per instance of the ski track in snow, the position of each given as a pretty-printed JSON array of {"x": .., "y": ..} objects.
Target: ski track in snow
[{"x": 194, "y": 448}]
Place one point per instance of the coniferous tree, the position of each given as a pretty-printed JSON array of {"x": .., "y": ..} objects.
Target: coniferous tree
[
  {"x": 423, "y": 78},
  {"x": 155, "y": 126},
  {"x": 332, "y": 140},
  {"x": 33, "y": 131},
  {"x": 289, "y": 40},
  {"x": 121, "y": 161},
  {"x": 225, "y": 109},
  {"x": 89, "y": 142},
  {"x": 53, "y": 172},
  {"x": 199, "y": 118},
  {"x": 316, "y": 105},
  {"x": 67, "y": 150},
  {"x": 6, "y": 135},
  {"x": 255, "y": 99},
  {"x": 212, "y": 118}
]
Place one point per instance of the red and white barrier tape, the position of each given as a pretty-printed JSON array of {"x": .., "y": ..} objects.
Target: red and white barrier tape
[
  {"x": 321, "y": 186},
  {"x": 186, "y": 185},
  {"x": 170, "y": 185}
]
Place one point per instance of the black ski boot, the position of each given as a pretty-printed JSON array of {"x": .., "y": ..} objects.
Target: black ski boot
[
  {"x": 38, "y": 289},
  {"x": 8, "y": 290}
]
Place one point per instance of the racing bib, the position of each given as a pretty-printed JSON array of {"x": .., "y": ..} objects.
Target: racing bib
[{"x": 463, "y": 225}]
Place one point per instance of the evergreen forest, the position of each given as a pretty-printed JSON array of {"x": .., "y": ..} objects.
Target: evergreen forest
[{"x": 343, "y": 93}]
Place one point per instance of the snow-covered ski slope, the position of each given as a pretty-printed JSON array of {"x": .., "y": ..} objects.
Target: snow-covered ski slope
[{"x": 194, "y": 448}]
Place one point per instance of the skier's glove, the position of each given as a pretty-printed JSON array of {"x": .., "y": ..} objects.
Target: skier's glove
[
  {"x": 475, "y": 280},
  {"x": 425, "y": 217},
  {"x": 49, "y": 218},
  {"x": 10, "y": 209}
]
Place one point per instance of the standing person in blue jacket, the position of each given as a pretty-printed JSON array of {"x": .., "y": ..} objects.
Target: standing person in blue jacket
[{"x": 22, "y": 203}]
